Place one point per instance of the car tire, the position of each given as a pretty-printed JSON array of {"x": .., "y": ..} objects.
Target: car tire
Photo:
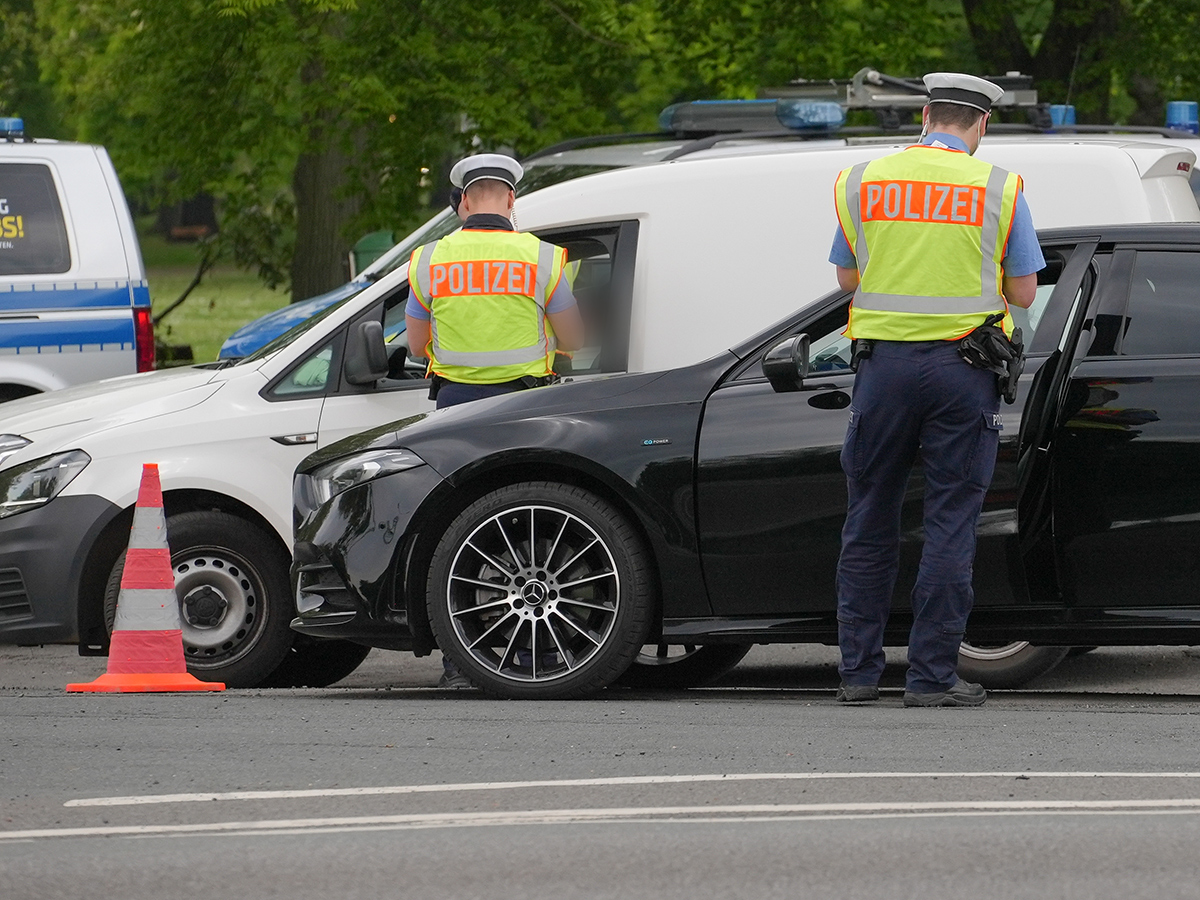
[
  {"x": 1006, "y": 665},
  {"x": 664, "y": 667},
  {"x": 560, "y": 622},
  {"x": 316, "y": 663},
  {"x": 218, "y": 559}
]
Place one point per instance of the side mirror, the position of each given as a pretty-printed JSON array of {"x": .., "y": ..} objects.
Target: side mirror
[
  {"x": 366, "y": 353},
  {"x": 786, "y": 364}
]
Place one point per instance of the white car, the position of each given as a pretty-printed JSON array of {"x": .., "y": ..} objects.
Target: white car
[{"x": 678, "y": 260}]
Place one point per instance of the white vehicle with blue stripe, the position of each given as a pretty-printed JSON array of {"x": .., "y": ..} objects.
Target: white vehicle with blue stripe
[{"x": 74, "y": 303}]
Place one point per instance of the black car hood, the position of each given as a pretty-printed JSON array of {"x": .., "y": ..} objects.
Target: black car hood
[{"x": 571, "y": 397}]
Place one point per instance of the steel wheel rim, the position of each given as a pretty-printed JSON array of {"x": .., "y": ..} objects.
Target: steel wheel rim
[
  {"x": 991, "y": 654},
  {"x": 238, "y": 625},
  {"x": 537, "y": 616}
]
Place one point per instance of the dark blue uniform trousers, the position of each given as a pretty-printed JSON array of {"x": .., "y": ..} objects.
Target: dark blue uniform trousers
[
  {"x": 913, "y": 399},
  {"x": 453, "y": 393}
]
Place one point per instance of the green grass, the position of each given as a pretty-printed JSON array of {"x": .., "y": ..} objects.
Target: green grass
[{"x": 222, "y": 303}]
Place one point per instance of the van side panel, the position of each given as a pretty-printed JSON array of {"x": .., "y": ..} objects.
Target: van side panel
[{"x": 65, "y": 327}]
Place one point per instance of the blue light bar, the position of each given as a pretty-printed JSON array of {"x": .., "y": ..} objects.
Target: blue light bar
[
  {"x": 1062, "y": 114},
  {"x": 1182, "y": 115},
  {"x": 710, "y": 116},
  {"x": 10, "y": 127},
  {"x": 810, "y": 114}
]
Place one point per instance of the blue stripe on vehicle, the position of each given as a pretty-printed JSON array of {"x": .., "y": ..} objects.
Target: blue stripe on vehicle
[
  {"x": 141, "y": 294},
  {"x": 30, "y": 335},
  {"x": 69, "y": 295}
]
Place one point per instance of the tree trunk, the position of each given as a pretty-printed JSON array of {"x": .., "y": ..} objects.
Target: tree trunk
[
  {"x": 1073, "y": 63},
  {"x": 320, "y": 261}
]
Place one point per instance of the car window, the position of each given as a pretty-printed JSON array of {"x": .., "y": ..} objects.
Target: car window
[
  {"x": 589, "y": 271},
  {"x": 309, "y": 377},
  {"x": 33, "y": 235},
  {"x": 599, "y": 269},
  {"x": 829, "y": 348},
  {"x": 395, "y": 335},
  {"x": 1162, "y": 317}
]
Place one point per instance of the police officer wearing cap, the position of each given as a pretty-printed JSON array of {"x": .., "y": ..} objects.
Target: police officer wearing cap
[
  {"x": 488, "y": 306},
  {"x": 933, "y": 242}
]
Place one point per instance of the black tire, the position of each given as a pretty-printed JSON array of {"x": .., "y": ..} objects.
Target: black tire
[
  {"x": 316, "y": 663},
  {"x": 663, "y": 667},
  {"x": 1006, "y": 665},
  {"x": 215, "y": 553},
  {"x": 561, "y": 622}
]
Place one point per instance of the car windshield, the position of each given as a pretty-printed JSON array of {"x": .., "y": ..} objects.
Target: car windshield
[{"x": 292, "y": 333}]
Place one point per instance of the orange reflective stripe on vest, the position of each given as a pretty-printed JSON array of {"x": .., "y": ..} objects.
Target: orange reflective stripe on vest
[
  {"x": 922, "y": 201},
  {"x": 482, "y": 276}
]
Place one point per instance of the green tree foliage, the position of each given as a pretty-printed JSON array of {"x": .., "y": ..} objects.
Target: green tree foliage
[
  {"x": 22, "y": 92},
  {"x": 314, "y": 121}
]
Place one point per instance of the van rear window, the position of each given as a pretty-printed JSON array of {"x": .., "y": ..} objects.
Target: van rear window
[{"x": 33, "y": 236}]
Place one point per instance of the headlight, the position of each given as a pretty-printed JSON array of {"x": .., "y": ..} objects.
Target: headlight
[
  {"x": 10, "y": 444},
  {"x": 39, "y": 481},
  {"x": 330, "y": 480}
]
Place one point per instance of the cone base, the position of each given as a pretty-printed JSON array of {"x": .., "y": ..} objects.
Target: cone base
[{"x": 145, "y": 683}]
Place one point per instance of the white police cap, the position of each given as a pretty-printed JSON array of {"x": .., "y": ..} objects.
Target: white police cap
[
  {"x": 965, "y": 90},
  {"x": 496, "y": 166}
]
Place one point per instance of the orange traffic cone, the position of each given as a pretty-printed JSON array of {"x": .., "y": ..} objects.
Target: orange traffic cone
[{"x": 146, "y": 653}]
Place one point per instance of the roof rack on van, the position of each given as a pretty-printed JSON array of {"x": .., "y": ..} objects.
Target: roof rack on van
[
  {"x": 870, "y": 89},
  {"x": 712, "y": 140},
  {"x": 822, "y": 105}
]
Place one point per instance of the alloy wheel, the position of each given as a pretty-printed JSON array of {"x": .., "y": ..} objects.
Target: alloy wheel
[{"x": 533, "y": 593}]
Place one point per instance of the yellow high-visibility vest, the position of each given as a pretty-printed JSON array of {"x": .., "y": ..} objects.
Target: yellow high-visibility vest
[
  {"x": 486, "y": 292},
  {"x": 928, "y": 227}
]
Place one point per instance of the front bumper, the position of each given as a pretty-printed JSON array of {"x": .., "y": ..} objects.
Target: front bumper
[
  {"x": 42, "y": 557},
  {"x": 347, "y": 561}
]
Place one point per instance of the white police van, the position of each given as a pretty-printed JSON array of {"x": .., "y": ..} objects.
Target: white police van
[{"x": 74, "y": 303}]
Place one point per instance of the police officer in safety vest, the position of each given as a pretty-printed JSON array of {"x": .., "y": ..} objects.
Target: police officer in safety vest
[
  {"x": 489, "y": 306},
  {"x": 934, "y": 243}
]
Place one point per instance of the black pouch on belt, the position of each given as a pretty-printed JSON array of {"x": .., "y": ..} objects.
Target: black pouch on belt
[
  {"x": 860, "y": 349},
  {"x": 435, "y": 385},
  {"x": 532, "y": 381},
  {"x": 988, "y": 347}
]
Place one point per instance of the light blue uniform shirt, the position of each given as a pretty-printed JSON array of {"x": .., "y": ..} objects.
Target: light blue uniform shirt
[{"x": 1022, "y": 255}]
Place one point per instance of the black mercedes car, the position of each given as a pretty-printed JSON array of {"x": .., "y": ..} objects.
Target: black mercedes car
[{"x": 652, "y": 527}]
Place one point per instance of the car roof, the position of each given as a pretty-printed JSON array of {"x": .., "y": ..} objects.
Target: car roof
[{"x": 1149, "y": 233}]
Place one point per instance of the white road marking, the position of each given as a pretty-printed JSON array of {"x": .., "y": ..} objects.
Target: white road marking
[
  {"x": 704, "y": 814},
  {"x": 144, "y": 799}
]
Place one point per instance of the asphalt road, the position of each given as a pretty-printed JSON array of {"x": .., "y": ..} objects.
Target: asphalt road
[{"x": 762, "y": 787}]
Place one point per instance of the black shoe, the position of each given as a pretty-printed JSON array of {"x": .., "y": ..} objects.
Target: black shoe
[
  {"x": 962, "y": 693},
  {"x": 856, "y": 693}
]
